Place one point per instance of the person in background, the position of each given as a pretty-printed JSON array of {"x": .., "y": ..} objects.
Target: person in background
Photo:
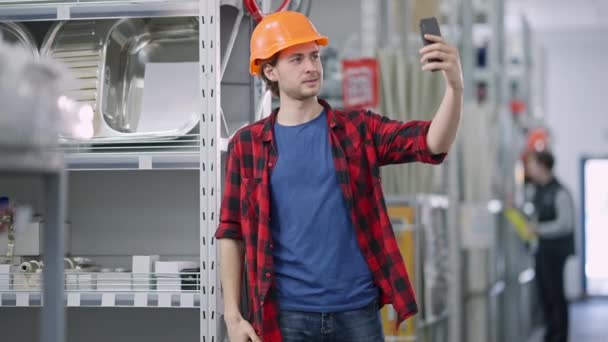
[
  {"x": 303, "y": 202},
  {"x": 555, "y": 231}
]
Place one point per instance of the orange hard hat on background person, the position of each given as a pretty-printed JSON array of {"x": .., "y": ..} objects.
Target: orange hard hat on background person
[
  {"x": 279, "y": 31},
  {"x": 538, "y": 140}
]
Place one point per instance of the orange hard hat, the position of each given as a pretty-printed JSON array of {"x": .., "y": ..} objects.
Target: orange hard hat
[
  {"x": 538, "y": 140},
  {"x": 279, "y": 31}
]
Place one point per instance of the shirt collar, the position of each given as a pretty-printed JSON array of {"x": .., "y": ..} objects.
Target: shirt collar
[{"x": 268, "y": 134}]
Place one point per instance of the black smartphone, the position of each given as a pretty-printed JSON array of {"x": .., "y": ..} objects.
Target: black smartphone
[{"x": 429, "y": 26}]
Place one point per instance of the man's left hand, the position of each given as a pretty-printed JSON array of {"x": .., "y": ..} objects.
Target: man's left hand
[
  {"x": 449, "y": 62},
  {"x": 532, "y": 228}
]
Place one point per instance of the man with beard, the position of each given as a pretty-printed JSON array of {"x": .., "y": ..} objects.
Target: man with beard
[{"x": 303, "y": 204}]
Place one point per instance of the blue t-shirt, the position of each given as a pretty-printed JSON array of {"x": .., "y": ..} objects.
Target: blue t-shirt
[{"x": 319, "y": 266}]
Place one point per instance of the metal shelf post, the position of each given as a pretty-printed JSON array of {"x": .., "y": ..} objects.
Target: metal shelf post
[
  {"x": 53, "y": 310},
  {"x": 210, "y": 165},
  {"x": 49, "y": 166}
]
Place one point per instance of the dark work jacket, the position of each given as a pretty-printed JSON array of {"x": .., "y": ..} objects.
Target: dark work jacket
[{"x": 544, "y": 202}]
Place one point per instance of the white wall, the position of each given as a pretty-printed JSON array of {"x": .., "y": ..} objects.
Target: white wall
[
  {"x": 577, "y": 92},
  {"x": 576, "y": 99}
]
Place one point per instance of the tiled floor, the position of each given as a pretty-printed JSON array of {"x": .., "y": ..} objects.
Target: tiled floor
[{"x": 588, "y": 322}]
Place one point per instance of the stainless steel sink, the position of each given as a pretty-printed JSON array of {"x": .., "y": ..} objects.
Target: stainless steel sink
[
  {"x": 79, "y": 45},
  {"x": 16, "y": 33},
  {"x": 139, "y": 75},
  {"x": 148, "y": 63}
]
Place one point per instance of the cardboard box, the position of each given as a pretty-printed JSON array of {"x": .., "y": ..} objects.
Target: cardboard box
[
  {"x": 144, "y": 263},
  {"x": 172, "y": 267},
  {"x": 143, "y": 269}
]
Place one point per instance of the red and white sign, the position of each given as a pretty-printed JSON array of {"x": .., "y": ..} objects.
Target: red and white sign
[{"x": 360, "y": 83}]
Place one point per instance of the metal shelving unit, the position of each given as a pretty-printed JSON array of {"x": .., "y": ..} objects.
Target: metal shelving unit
[
  {"x": 210, "y": 166},
  {"x": 198, "y": 151}
]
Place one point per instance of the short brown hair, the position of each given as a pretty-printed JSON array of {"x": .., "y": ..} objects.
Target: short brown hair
[
  {"x": 546, "y": 159},
  {"x": 272, "y": 85}
]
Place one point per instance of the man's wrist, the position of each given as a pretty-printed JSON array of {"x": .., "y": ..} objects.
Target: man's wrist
[
  {"x": 456, "y": 89},
  {"x": 232, "y": 317}
]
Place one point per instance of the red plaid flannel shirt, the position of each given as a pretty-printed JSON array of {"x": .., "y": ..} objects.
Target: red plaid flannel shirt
[{"x": 361, "y": 142}]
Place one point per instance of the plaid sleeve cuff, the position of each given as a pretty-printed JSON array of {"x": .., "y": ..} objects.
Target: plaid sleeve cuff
[
  {"x": 424, "y": 154},
  {"x": 226, "y": 231}
]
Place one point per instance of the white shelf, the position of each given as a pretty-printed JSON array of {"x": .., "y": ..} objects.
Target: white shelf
[
  {"x": 181, "y": 299},
  {"x": 113, "y": 289},
  {"x": 160, "y": 153},
  {"x": 155, "y": 154},
  {"x": 133, "y": 161},
  {"x": 31, "y": 10},
  {"x": 30, "y": 161}
]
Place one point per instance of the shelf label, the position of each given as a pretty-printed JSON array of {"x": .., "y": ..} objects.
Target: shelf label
[
  {"x": 108, "y": 299},
  {"x": 145, "y": 162},
  {"x": 140, "y": 300},
  {"x": 23, "y": 299},
  {"x": 73, "y": 299},
  {"x": 63, "y": 12},
  {"x": 187, "y": 300},
  {"x": 164, "y": 300}
]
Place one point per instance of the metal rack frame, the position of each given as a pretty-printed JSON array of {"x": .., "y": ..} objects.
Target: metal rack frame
[
  {"x": 210, "y": 166},
  {"x": 206, "y": 156},
  {"x": 49, "y": 166}
]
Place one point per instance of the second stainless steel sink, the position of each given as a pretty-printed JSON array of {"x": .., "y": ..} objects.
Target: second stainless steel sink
[
  {"x": 140, "y": 75},
  {"x": 149, "y": 62}
]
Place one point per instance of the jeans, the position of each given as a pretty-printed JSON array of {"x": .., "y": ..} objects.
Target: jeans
[
  {"x": 549, "y": 272},
  {"x": 361, "y": 325}
]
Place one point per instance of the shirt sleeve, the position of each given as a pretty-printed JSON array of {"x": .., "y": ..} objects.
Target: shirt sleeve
[
  {"x": 401, "y": 142},
  {"x": 564, "y": 222},
  {"x": 230, "y": 212}
]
